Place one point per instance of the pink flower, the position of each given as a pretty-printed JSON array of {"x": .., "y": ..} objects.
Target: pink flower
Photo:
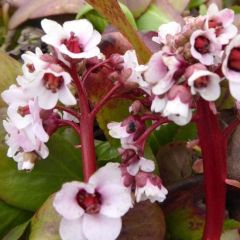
[
  {"x": 205, "y": 47},
  {"x": 149, "y": 186},
  {"x": 221, "y": 22},
  {"x": 166, "y": 30},
  {"x": 160, "y": 72},
  {"x": 50, "y": 85},
  {"x": 205, "y": 83},
  {"x": 77, "y": 39},
  {"x": 158, "y": 104},
  {"x": 231, "y": 66},
  {"x": 177, "y": 107},
  {"x": 93, "y": 210}
]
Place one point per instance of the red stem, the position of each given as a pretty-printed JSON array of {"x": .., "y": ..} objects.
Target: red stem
[
  {"x": 63, "y": 123},
  {"x": 68, "y": 110},
  {"x": 143, "y": 138},
  {"x": 105, "y": 99},
  {"x": 213, "y": 145},
  {"x": 227, "y": 132},
  {"x": 86, "y": 129}
]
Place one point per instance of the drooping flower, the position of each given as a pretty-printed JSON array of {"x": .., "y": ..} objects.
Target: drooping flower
[
  {"x": 231, "y": 66},
  {"x": 76, "y": 39},
  {"x": 158, "y": 104},
  {"x": 149, "y": 187},
  {"x": 177, "y": 107},
  {"x": 221, "y": 22},
  {"x": 165, "y": 30},
  {"x": 205, "y": 47},
  {"x": 160, "y": 72},
  {"x": 93, "y": 210},
  {"x": 205, "y": 83}
]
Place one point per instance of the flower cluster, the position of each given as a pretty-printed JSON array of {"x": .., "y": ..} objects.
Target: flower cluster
[{"x": 32, "y": 112}]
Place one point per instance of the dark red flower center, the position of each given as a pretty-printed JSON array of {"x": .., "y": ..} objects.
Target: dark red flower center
[
  {"x": 91, "y": 203},
  {"x": 234, "y": 59},
  {"x": 23, "y": 111},
  {"x": 213, "y": 23},
  {"x": 31, "y": 68},
  {"x": 51, "y": 82},
  {"x": 131, "y": 127},
  {"x": 201, "y": 82},
  {"x": 202, "y": 44},
  {"x": 73, "y": 44}
]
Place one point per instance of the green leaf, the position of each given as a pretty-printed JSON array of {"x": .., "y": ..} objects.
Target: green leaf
[
  {"x": 152, "y": 19},
  {"x": 11, "y": 217},
  {"x": 30, "y": 190},
  {"x": 106, "y": 152},
  {"x": 17, "y": 232},
  {"x": 185, "y": 133},
  {"x": 45, "y": 223},
  {"x": 9, "y": 70},
  {"x": 196, "y": 3}
]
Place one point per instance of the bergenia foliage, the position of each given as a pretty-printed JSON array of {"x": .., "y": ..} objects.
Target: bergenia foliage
[{"x": 178, "y": 84}]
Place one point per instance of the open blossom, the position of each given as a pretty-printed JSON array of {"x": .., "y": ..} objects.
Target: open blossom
[
  {"x": 177, "y": 107},
  {"x": 221, "y": 22},
  {"x": 231, "y": 66},
  {"x": 158, "y": 104},
  {"x": 93, "y": 210},
  {"x": 77, "y": 39},
  {"x": 160, "y": 72},
  {"x": 128, "y": 130},
  {"x": 205, "y": 47},
  {"x": 50, "y": 85},
  {"x": 165, "y": 30},
  {"x": 205, "y": 83},
  {"x": 149, "y": 186}
]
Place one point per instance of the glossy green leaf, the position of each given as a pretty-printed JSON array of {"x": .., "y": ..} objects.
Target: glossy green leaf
[
  {"x": 17, "y": 232},
  {"x": 30, "y": 190},
  {"x": 45, "y": 223},
  {"x": 152, "y": 19},
  {"x": 106, "y": 152},
  {"x": 11, "y": 217},
  {"x": 196, "y": 3},
  {"x": 9, "y": 69}
]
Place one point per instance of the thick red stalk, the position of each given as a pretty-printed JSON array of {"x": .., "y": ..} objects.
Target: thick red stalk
[
  {"x": 213, "y": 145},
  {"x": 86, "y": 129}
]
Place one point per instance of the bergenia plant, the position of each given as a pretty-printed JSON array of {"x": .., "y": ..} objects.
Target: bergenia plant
[{"x": 179, "y": 84}]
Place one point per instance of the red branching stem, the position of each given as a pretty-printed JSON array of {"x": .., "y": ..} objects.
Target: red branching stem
[
  {"x": 64, "y": 123},
  {"x": 86, "y": 75},
  {"x": 213, "y": 145},
  {"x": 151, "y": 117},
  {"x": 86, "y": 128},
  {"x": 227, "y": 132},
  {"x": 105, "y": 99},
  {"x": 141, "y": 141},
  {"x": 68, "y": 110}
]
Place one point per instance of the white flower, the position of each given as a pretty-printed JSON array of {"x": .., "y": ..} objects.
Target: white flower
[
  {"x": 93, "y": 210},
  {"x": 151, "y": 192},
  {"x": 165, "y": 30},
  {"x": 231, "y": 66},
  {"x": 158, "y": 104},
  {"x": 221, "y": 22},
  {"x": 77, "y": 39},
  {"x": 142, "y": 164},
  {"x": 131, "y": 61},
  {"x": 205, "y": 47},
  {"x": 205, "y": 83},
  {"x": 160, "y": 72}
]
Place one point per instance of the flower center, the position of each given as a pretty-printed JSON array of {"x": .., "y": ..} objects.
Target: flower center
[
  {"x": 131, "y": 127},
  {"x": 91, "y": 203},
  {"x": 73, "y": 44},
  {"x": 234, "y": 59},
  {"x": 52, "y": 82},
  {"x": 202, "y": 44},
  {"x": 23, "y": 111},
  {"x": 201, "y": 82},
  {"x": 31, "y": 68},
  {"x": 213, "y": 23}
]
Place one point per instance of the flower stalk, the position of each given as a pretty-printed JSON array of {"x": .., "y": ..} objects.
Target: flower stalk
[{"x": 213, "y": 145}]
